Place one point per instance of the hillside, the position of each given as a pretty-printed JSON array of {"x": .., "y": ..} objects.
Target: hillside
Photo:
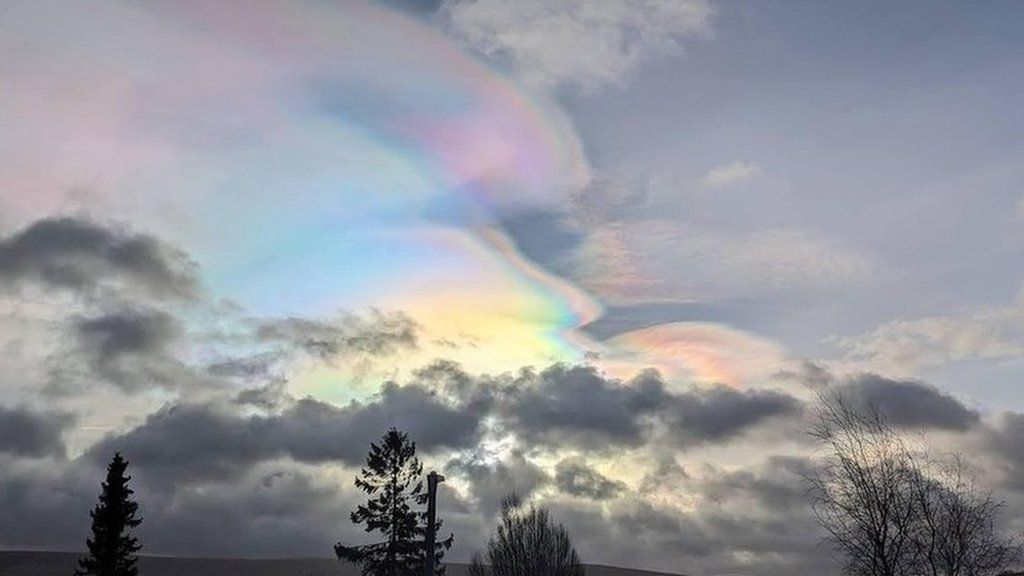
[{"x": 63, "y": 564}]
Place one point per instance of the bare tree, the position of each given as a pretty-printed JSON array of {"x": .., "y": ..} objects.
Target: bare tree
[
  {"x": 526, "y": 543},
  {"x": 862, "y": 495},
  {"x": 956, "y": 533},
  {"x": 890, "y": 510}
]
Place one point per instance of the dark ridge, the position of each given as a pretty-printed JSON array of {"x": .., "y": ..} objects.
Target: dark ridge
[{"x": 63, "y": 563}]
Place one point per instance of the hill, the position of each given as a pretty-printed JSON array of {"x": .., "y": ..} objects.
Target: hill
[{"x": 63, "y": 564}]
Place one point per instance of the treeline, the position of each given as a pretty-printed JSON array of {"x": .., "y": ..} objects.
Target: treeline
[
  {"x": 525, "y": 543},
  {"x": 887, "y": 506}
]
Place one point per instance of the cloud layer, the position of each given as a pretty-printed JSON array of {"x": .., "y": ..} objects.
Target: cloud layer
[{"x": 574, "y": 42}]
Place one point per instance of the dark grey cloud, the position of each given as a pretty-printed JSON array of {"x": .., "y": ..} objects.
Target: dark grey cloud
[
  {"x": 1004, "y": 440},
  {"x": 111, "y": 337},
  {"x": 269, "y": 396},
  {"x": 46, "y": 507},
  {"x": 378, "y": 333},
  {"x": 315, "y": 431},
  {"x": 255, "y": 366},
  {"x": 908, "y": 403},
  {"x": 577, "y": 406},
  {"x": 778, "y": 484},
  {"x": 747, "y": 520},
  {"x": 905, "y": 403},
  {"x": 190, "y": 441},
  {"x": 719, "y": 412},
  {"x": 131, "y": 348},
  {"x": 25, "y": 432},
  {"x": 277, "y": 512},
  {"x": 491, "y": 482},
  {"x": 576, "y": 478},
  {"x": 80, "y": 255}
]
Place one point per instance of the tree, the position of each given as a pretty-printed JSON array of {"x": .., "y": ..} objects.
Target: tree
[
  {"x": 892, "y": 510},
  {"x": 956, "y": 532},
  {"x": 526, "y": 543},
  {"x": 112, "y": 548},
  {"x": 392, "y": 479}
]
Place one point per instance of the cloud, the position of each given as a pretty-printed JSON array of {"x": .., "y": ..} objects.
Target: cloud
[
  {"x": 730, "y": 174},
  {"x": 906, "y": 347},
  {"x": 380, "y": 333},
  {"x": 905, "y": 403},
  {"x": 719, "y": 412},
  {"x": 776, "y": 484},
  {"x": 624, "y": 261},
  {"x": 24, "y": 432},
  {"x": 908, "y": 403},
  {"x": 130, "y": 348},
  {"x": 277, "y": 511},
  {"x": 80, "y": 255},
  {"x": 46, "y": 506},
  {"x": 576, "y": 42},
  {"x": 575, "y": 406},
  {"x": 197, "y": 441},
  {"x": 1004, "y": 439},
  {"x": 575, "y": 478},
  {"x": 111, "y": 337},
  {"x": 699, "y": 352},
  {"x": 491, "y": 482}
]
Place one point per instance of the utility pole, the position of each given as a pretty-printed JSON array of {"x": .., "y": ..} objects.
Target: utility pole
[{"x": 433, "y": 479}]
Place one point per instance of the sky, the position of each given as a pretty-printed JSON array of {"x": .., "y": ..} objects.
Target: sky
[{"x": 601, "y": 254}]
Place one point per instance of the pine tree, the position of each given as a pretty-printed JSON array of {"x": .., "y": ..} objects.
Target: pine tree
[
  {"x": 112, "y": 549},
  {"x": 392, "y": 478}
]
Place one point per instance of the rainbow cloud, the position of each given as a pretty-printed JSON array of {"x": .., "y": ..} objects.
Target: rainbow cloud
[
  {"x": 312, "y": 156},
  {"x": 699, "y": 352}
]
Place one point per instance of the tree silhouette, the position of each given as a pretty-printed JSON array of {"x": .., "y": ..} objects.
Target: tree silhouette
[
  {"x": 112, "y": 549},
  {"x": 891, "y": 509},
  {"x": 526, "y": 543},
  {"x": 392, "y": 479}
]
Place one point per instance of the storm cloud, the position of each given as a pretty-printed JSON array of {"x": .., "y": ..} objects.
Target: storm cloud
[
  {"x": 195, "y": 441},
  {"x": 908, "y": 403},
  {"x": 25, "y": 432},
  {"x": 80, "y": 255},
  {"x": 576, "y": 478},
  {"x": 577, "y": 406}
]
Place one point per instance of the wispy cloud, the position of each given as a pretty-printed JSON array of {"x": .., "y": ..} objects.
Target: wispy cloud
[
  {"x": 577, "y": 42},
  {"x": 730, "y": 174}
]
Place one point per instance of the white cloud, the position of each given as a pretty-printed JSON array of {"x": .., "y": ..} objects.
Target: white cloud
[
  {"x": 906, "y": 347},
  {"x": 627, "y": 261},
  {"x": 576, "y": 42},
  {"x": 730, "y": 174}
]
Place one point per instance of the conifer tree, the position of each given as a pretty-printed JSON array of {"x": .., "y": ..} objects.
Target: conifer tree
[
  {"x": 392, "y": 479},
  {"x": 112, "y": 548}
]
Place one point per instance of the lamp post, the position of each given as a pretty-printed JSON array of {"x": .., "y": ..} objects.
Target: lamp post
[{"x": 433, "y": 479}]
